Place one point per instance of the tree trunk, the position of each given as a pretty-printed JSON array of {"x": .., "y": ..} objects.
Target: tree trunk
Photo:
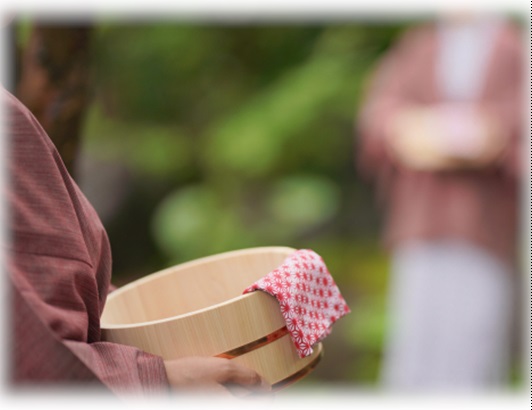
[{"x": 54, "y": 83}]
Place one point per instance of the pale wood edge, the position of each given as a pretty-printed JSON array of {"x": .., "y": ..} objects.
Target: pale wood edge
[{"x": 199, "y": 261}]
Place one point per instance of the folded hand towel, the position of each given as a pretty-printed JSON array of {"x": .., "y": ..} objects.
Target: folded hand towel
[{"x": 309, "y": 299}]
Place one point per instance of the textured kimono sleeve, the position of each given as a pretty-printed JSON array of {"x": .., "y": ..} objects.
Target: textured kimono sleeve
[{"x": 59, "y": 268}]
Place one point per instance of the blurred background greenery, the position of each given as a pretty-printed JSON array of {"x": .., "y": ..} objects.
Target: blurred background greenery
[{"x": 204, "y": 137}]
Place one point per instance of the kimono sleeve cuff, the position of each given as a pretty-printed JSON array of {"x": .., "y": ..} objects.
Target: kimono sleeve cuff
[{"x": 152, "y": 374}]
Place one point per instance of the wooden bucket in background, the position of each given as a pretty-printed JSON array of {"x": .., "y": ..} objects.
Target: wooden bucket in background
[{"x": 198, "y": 309}]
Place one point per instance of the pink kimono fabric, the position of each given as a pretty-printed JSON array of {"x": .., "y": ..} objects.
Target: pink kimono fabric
[{"x": 59, "y": 269}]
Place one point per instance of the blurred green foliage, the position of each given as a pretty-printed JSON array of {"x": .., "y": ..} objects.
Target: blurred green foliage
[
  {"x": 260, "y": 116},
  {"x": 241, "y": 135}
]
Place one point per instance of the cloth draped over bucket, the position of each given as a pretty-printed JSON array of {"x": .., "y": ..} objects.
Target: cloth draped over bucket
[{"x": 308, "y": 296}]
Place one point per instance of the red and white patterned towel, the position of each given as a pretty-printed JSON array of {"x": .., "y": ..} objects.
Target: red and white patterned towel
[{"x": 309, "y": 299}]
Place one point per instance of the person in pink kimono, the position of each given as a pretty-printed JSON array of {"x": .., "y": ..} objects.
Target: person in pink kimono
[
  {"x": 58, "y": 265},
  {"x": 439, "y": 133}
]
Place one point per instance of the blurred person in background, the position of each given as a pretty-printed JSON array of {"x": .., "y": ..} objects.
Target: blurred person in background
[{"x": 439, "y": 134}]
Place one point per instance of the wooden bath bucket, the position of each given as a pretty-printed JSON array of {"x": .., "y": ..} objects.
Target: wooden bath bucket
[{"x": 198, "y": 309}]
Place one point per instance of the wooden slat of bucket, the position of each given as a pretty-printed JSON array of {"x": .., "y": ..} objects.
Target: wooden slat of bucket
[
  {"x": 205, "y": 333},
  {"x": 190, "y": 286}
]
